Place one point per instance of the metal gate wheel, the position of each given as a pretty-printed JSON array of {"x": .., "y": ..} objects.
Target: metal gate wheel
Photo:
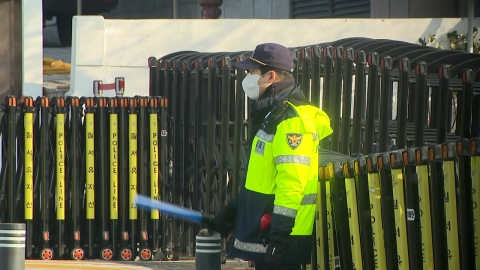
[
  {"x": 77, "y": 254},
  {"x": 126, "y": 254},
  {"x": 46, "y": 254},
  {"x": 107, "y": 254},
  {"x": 145, "y": 254}
]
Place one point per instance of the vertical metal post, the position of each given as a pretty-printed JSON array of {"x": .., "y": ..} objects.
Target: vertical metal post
[
  {"x": 79, "y": 7},
  {"x": 175, "y": 9},
  {"x": 471, "y": 7}
]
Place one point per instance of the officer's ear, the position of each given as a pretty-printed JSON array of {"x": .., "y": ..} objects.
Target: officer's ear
[{"x": 273, "y": 76}]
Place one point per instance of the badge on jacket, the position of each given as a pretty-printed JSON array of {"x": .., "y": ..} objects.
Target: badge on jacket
[
  {"x": 260, "y": 147},
  {"x": 294, "y": 140}
]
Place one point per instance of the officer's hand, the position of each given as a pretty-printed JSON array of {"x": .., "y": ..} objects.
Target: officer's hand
[{"x": 274, "y": 255}]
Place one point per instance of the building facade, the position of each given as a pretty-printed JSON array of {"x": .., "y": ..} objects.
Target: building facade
[{"x": 291, "y": 9}]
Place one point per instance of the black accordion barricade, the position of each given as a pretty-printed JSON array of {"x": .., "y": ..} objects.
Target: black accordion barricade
[
  {"x": 380, "y": 204},
  {"x": 71, "y": 168},
  {"x": 398, "y": 178}
]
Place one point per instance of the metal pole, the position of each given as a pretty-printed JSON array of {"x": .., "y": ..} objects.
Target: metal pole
[
  {"x": 79, "y": 7},
  {"x": 174, "y": 5},
  {"x": 471, "y": 7},
  {"x": 12, "y": 246}
]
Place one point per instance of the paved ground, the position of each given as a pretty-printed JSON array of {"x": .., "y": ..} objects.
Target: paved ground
[{"x": 97, "y": 265}]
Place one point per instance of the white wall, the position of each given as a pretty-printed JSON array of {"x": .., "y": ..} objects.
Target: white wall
[
  {"x": 32, "y": 48},
  {"x": 104, "y": 49}
]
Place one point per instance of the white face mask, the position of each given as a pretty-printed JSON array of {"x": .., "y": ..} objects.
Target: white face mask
[{"x": 251, "y": 87}]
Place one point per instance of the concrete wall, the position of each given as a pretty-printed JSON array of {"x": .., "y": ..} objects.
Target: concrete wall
[
  {"x": 190, "y": 9},
  {"x": 421, "y": 8},
  {"x": 122, "y": 50}
]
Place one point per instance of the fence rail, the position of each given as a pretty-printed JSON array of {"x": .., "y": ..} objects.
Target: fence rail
[{"x": 398, "y": 176}]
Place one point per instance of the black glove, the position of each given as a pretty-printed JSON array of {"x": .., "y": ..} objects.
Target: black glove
[
  {"x": 224, "y": 221},
  {"x": 274, "y": 255}
]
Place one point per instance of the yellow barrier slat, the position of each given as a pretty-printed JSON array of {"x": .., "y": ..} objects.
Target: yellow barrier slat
[
  {"x": 132, "y": 131},
  {"x": 331, "y": 244},
  {"x": 154, "y": 190},
  {"x": 377, "y": 228},
  {"x": 28, "y": 118},
  {"x": 475, "y": 169},
  {"x": 350, "y": 190},
  {"x": 400, "y": 219},
  {"x": 319, "y": 225},
  {"x": 451, "y": 214},
  {"x": 425, "y": 216},
  {"x": 60, "y": 165},
  {"x": 113, "y": 166},
  {"x": 90, "y": 162}
]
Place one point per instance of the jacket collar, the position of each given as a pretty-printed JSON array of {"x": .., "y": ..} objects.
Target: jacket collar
[{"x": 274, "y": 93}]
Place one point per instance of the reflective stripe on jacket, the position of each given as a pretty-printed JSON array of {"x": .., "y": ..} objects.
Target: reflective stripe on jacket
[{"x": 282, "y": 181}]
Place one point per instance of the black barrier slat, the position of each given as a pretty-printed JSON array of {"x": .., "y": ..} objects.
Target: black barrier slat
[
  {"x": 164, "y": 167},
  {"x": 402, "y": 103},
  {"x": 368, "y": 250},
  {"x": 133, "y": 173},
  {"x": 238, "y": 138},
  {"x": 45, "y": 176},
  {"x": 143, "y": 175},
  {"x": 476, "y": 116},
  {"x": 177, "y": 137},
  {"x": 152, "y": 86},
  {"x": 327, "y": 87},
  {"x": 412, "y": 206},
  {"x": 348, "y": 57},
  {"x": 188, "y": 160},
  {"x": 224, "y": 128},
  {"x": 102, "y": 187},
  {"x": 437, "y": 192},
  {"x": 359, "y": 101},
  {"x": 421, "y": 93},
  {"x": 372, "y": 102},
  {"x": 336, "y": 99},
  {"x": 298, "y": 63},
  {"x": 316, "y": 61},
  {"x": 210, "y": 134},
  {"x": 340, "y": 213},
  {"x": 443, "y": 126},
  {"x": 306, "y": 62},
  {"x": 386, "y": 102},
  {"x": 465, "y": 186},
  {"x": 394, "y": 261},
  {"x": 198, "y": 67},
  {"x": 11, "y": 152}
]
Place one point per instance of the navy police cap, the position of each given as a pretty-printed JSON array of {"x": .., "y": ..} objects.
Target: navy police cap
[{"x": 268, "y": 54}]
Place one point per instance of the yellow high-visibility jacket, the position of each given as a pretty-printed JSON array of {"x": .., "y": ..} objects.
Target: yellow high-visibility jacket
[{"x": 282, "y": 181}]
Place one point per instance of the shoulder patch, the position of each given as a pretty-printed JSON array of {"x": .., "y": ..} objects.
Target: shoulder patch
[{"x": 294, "y": 140}]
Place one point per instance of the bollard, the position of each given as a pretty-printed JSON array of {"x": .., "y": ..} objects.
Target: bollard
[
  {"x": 208, "y": 251},
  {"x": 12, "y": 246}
]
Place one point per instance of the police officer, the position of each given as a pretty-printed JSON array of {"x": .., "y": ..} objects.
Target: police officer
[{"x": 272, "y": 217}]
